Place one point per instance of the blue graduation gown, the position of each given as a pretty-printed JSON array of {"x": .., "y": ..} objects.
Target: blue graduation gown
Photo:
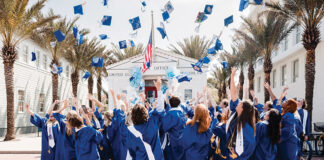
[
  {"x": 264, "y": 149},
  {"x": 195, "y": 145},
  {"x": 211, "y": 110},
  {"x": 86, "y": 141},
  {"x": 301, "y": 113},
  {"x": 299, "y": 131},
  {"x": 174, "y": 122},
  {"x": 47, "y": 152},
  {"x": 276, "y": 106},
  {"x": 219, "y": 131},
  {"x": 105, "y": 149},
  {"x": 67, "y": 144},
  {"x": 287, "y": 148},
  {"x": 248, "y": 135},
  {"x": 100, "y": 119},
  {"x": 150, "y": 134},
  {"x": 115, "y": 135},
  {"x": 259, "y": 107}
]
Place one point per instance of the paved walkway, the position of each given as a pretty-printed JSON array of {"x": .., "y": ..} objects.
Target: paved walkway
[{"x": 23, "y": 144}]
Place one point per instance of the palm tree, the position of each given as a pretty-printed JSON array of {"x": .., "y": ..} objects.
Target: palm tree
[
  {"x": 16, "y": 24},
  {"x": 46, "y": 38},
  {"x": 78, "y": 56},
  {"x": 309, "y": 14},
  {"x": 265, "y": 34},
  {"x": 119, "y": 55},
  {"x": 194, "y": 47},
  {"x": 219, "y": 78}
]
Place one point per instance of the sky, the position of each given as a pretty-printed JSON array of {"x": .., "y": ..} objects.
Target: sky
[{"x": 180, "y": 25}]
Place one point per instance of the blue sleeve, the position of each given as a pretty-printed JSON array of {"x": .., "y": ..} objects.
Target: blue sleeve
[
  {"x": 234, "y": 104},
  {"x": 168, "y": 122},
  {"x": 73, "y": 108},
  {"x": 287, "y": 129},
  {"x": 274, "y": 103},
  {"x": 156, "y": 116},
  {"x": 97, "y": 138},
  {"x": 167, "y": 108},
  {"x": 259, "y": 131},
  {"x": 38, "y": 121},
  {"x": 219, "y": 130},
  {"x": 59, "y": 119},
  {"x": 211, "y": 112},
  {"x": 308, "y": 126},
  {"x": 100, "y": 118},
  {"x": 283, "y": 99}
]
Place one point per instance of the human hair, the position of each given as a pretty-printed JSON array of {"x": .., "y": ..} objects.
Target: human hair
[
  {"x": 139, "y": 114},
  {"x": 225, "y": 116},
  {"x": 68, "y": 127},
  {"x": 225, "y": 102},
  {"x": 304, "y": 104},
  {"x": 269, "y": 104},
  {"x": 108, "y": 115},
  {"x": 174, "y": 101},
  {"x": 274, "y": 126},
  {"x": 202, "y": 117},
  {"x": 256, "y": 115},
  {"x": 247, "y": 115},
  {"x": 289, "y": 106},
  {"x": 74, "y": 120}
]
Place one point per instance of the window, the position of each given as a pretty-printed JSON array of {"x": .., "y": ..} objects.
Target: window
[
  {"x": 41, "y": 102},
  {"x": 259, "y": 84},
  {"x": 67, "y": 71},
  {"x": 283, "y": 75},
  {"x": 188, "y": 94},
  {"x": 38, "y": 58},
  {"x": 286, "y": 43},
  {"x": 25, "y": 54},
  {"x": 21, "y": 99},
  {"x": 295, "y": 70},
  {"x": 45, "y": 62},
  {"x": 274, "y": 82},
  {"x": 298, "y": 34},
  {"x": 124, "y": 91}
]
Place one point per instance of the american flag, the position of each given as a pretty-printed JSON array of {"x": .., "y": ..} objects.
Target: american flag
[{"x": 148, "y": 57}]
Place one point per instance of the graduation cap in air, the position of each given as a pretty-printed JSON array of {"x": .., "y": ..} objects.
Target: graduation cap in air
[
  {"x": 225, "y": 64},
  {"x": 80, "y": 39},
  {"x": 208, "y": 9},
  {"x": 56, "y": 69},
  {"x": 243, "y": 4},
  {"x": 228, "y": 20},
  {"x": 165, "y": 15},
  {"x": 197, "y": 66},
  {"x": 164, "y": 88},
  {"x": 131, "y": 42},
  {"x": 183, "y": 77},
  {"x": 206, "y": 60},
  {"x": 143, "y": 6},
  {"x": 106, "y": 20},
  {"x": 141, "y": 86},
  {"x": 97, "y": 62},
  {"x": 169, "y": 73},
  {"x": 134, "y": 100},
  {"x": 105, "y": 2},
  {"x": 122, "y": 44},
  {"x": 53, "y": 44},
  {"x": 103, "y": 36},
  {"x": 218, "y": 46},
  {"x": 201, "y": 17},
  {"x": 258, "y": 2},
  {"x": 135, "y": 22},
  {"x": 33, "y": 56},
  {"x": 162, "y": 31},
  {"x": 75, "y": 32},
  {"x": 59, "y": 36},
  {"x": 136, "y": 77},
  {"x": 86, "y": 75},
  {"x": 168, "y": 7},
  {"x": 78, "y": 9}
]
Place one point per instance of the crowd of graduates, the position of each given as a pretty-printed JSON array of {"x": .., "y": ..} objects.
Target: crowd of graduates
[{"x": 198, "y": 129}]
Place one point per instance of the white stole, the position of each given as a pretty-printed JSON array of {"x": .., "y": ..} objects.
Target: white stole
[
  {"x": 146, "y": 145},
  {"x": 304, "y": 120},
  {"x": 96, "y": 121},
  {"x": 50, "y": 135},
  {"x": 239, "y": 147}
]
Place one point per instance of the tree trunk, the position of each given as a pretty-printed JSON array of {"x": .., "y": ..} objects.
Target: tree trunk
[
  {"x": 75, "y": 82},
  {"x": 224, "y": 90},
  {"x": 241, "y": 79},
  {"x": 311, "y": 38},
  {"x": 251, "y": 79},
  {"x": 99, "y": 83},
  {"x": 309, "y": 80},
  {"x": 90, "y": 88},
  {"x": 267, "y": 66},
  {"x": 54, "y": 84},
  {"x": 9, "y": 56}
]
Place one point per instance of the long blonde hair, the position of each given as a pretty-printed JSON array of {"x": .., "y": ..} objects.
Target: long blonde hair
[{"x": 202, "y": 117}]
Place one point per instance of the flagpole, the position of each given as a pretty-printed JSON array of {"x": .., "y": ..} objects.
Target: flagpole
[{"x": 152, "y": 30}]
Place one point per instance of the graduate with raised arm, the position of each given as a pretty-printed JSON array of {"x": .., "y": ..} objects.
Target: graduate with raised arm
[
  {"x": 173, "y": 122},
  {"x": 86, "y": 137},
  {"x": 67, "y": 147},
  {"x": 240, "y": 126},
  {"x": 267, "y": 136},
  {"x": 94, "y": 113},
  {"x": 256, "y": 103},
  {"x": 50, "y": 132},
  {"x": 288, "y": 146},
  {"x": 276, "y": 103},
  {"x": 107, "y": 132},
  {"x": 142, "y": 139},
  {"x": 196, "y": 135}
]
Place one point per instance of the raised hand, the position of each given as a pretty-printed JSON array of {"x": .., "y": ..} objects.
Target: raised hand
[
  {"x": 233, "y": 71},
  {"x": 285, "y": 89},
  {"x": 27, "y": 106},
  {"x": 267, "y": 86},
  {"x": 112, "y": 92},
  {"x": 158, "y": 83}
]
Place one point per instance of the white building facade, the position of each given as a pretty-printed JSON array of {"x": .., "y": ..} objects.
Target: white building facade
[
  {"x": 289, "y": 70},
  {"x": 119, "y": 74},
  {"x": 33, "y": 84}
]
